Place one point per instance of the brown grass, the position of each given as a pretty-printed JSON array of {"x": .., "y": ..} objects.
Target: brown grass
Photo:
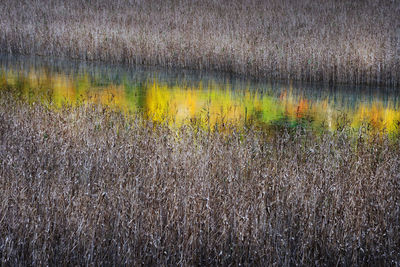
[
  {"x": 87, "y": 185},
  {"x": 341, "y": 41}
]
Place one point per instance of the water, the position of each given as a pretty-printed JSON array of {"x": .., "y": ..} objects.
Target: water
[{"x": 207, "y": 99}]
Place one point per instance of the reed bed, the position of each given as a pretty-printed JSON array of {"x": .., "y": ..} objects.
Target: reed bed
[
  {"x": 88, "y": 185},
  {"x": 355, "y": 42}
]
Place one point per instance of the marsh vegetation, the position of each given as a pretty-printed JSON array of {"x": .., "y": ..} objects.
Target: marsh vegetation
[
  {"x": 102, "y": 171},
  {"x": 332, "y": 41},
  {"x": 89, "y": 185}
]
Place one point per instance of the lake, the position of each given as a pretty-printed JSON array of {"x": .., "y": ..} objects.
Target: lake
[{"x": 179, "y": 97}]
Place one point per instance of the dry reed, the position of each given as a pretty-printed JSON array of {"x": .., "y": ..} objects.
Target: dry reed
[
  {"x": 87, "y": 185},
  {"x": 356, "y": 42}
]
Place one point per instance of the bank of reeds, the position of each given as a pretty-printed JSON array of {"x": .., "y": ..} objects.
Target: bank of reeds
[
  {"x": 332, "y": 41},
  {"x": 87, "y": 185}
]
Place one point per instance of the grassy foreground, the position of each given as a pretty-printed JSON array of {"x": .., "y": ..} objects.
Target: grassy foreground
[
  {"x": 87, "y": 185},
  {"x": 333, "y": 41}
]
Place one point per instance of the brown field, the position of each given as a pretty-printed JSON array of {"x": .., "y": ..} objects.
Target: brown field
[
  {"x": 87, "y": 185},
  {"x": 338, "y": 41}
]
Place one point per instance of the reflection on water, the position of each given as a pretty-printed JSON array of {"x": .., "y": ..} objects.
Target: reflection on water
[{"x": 206, "y": 99}]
